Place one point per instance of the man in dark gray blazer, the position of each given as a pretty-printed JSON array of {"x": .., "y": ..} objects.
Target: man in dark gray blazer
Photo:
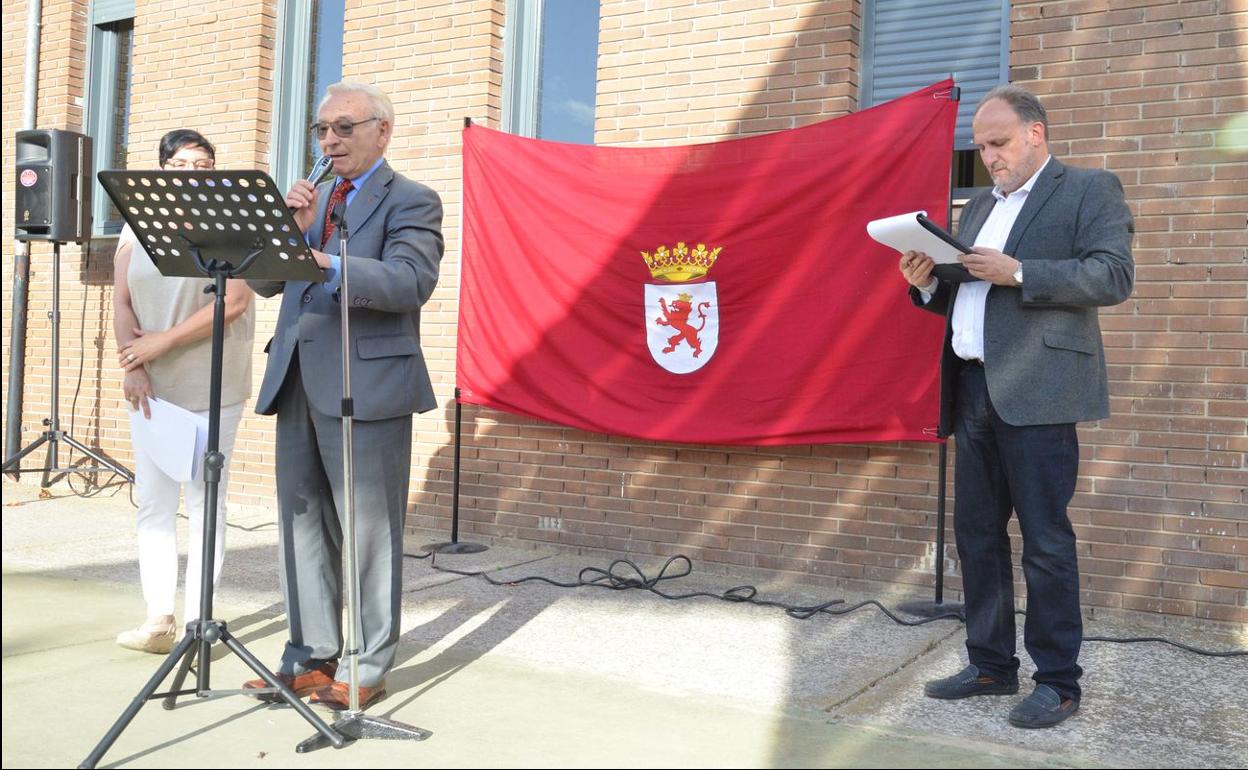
[
  {"x": 395, "y": 245},
  {"x": 1023, "y": 362}
]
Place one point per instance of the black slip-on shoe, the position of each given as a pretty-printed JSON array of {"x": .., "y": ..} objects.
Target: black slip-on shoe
[
  {"x": 1043, "y": 708},
  {"x": 967, "y": 683}
]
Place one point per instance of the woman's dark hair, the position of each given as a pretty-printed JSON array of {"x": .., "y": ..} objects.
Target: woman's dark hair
[{"x": 173, "y": 141}]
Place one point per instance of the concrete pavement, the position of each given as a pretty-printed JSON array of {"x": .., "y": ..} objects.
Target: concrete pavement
[{"x": 530, "y": 675}]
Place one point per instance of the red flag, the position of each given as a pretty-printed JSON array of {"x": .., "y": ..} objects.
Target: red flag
[{"x": 721, "y": 293}]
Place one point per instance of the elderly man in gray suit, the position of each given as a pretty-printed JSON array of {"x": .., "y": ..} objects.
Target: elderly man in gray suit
[
  {"x": 395, "y": 246},
  {"x": 1023, "y": 362}
]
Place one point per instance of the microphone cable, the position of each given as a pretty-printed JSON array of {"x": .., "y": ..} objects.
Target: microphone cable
[{"x": 624, "y": 574}]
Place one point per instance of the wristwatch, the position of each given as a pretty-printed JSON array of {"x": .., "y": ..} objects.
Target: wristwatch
[{"x": 1018, "y": 275}]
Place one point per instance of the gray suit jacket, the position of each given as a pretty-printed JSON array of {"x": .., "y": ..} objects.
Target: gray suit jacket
[
  {"x": 1043, "y": 355},
  {"x": 395, "y": 247}
]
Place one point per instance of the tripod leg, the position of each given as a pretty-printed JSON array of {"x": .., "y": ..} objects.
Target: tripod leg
[
  {"x": 185, "y": 648},
  {"x": 103, "y": 461},
  {"x": 14, "y": 462},
  {"x": 335, "y": 740},
  {"x": 172, "y": 699}
]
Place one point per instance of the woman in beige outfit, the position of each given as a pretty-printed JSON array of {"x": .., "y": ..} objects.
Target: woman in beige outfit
[{"x": 163, "y": 327}]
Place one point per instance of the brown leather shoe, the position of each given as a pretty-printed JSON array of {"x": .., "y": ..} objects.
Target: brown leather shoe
[
  {"x": 336, "y": 696},
  {"x": 316, "y": 677}
]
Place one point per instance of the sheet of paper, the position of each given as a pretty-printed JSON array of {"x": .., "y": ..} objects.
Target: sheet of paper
[
  {"x": 173, "y": 438},
  {"x": 904, "y": 233}
]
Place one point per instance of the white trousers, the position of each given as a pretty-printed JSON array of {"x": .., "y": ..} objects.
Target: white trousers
[{"x": 158, "y": 495}]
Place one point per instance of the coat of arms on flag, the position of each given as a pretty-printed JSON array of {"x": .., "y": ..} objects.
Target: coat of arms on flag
[{"x": 682, "y": 319}]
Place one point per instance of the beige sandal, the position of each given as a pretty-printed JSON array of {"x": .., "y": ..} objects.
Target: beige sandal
[{"x": 146, "y": 639}]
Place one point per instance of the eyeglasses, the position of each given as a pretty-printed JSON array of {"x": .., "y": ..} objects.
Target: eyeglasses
[
  {"x": 199, "y": 165},
  {"x": 342, "y": 127}
]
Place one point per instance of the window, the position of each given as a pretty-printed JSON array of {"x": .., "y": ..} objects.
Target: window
[
  {"x": 909, "y": 44},
  {"x": 309, "y": 60},
  {"x": 110, "y": 52},
  {"x": 550, "y": 77}
]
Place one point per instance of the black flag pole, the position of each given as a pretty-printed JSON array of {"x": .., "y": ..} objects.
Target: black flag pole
[
  {"x": 938, "y": 606},
  {"x": 454, "y": 545}
]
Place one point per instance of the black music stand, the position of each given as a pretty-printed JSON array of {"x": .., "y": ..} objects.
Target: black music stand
[{"x": 196, "y": 223}]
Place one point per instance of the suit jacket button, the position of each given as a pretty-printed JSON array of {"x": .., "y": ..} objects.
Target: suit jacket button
[{"x": 307, "y": 298}]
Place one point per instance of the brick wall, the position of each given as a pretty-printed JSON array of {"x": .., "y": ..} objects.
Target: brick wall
[
  {"x": 1161, "y": 508},
  {"x": 675, "y": 72}
]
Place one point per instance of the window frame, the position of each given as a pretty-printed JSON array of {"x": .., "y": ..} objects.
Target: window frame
[
  {"x": 526, "y": 84},
  {"x": 294, "y": 69},
  {"x": 287, "y": 145},
  {"x": 960, "y": 153},
  {"x": 101, "y": 99},
  {"x": 522, "y": 66}
]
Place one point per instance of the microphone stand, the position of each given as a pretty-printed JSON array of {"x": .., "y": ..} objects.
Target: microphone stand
[{"x": 353, "y": 723}]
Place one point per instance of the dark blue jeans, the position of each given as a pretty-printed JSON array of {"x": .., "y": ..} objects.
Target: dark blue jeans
[{"x": 1032, "y": 470}]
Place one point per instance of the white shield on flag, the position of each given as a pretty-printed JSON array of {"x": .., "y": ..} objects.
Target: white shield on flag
[{"x": 682, "y": 325}]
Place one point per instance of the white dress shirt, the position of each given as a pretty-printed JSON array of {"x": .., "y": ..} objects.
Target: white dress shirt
[{"x": 968, "y": 309}]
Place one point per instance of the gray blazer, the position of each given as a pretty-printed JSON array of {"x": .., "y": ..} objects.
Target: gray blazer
[
  {"x": 395, "y": 246},
  {"x": 1043, "y": 355}
]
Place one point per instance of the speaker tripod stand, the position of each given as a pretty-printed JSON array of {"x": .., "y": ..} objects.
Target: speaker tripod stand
[{"x": 53, "y": 436}]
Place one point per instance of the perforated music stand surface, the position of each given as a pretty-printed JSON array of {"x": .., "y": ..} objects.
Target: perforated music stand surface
[{"x": 226, "y": 215}]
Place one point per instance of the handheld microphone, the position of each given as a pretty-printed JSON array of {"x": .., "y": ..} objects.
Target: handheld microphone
[{"x": 320, "y": 170}]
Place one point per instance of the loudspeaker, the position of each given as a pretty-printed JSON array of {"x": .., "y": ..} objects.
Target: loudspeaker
[{"x": 53, "y": 197}]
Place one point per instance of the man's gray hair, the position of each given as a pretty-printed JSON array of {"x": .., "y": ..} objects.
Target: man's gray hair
[
  {"x": 1024, "y": 103},
  {"x": 382, "y": 108}
]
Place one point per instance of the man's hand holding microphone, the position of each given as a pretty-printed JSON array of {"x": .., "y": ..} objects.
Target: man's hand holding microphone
[{"x": 302, "y": 197}]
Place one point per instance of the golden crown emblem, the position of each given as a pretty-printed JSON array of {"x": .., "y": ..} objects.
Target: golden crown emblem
[{"x": 681, "y": 264}]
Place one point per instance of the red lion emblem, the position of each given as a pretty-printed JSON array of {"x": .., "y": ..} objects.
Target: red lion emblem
[{"x": 677, "y": 316}]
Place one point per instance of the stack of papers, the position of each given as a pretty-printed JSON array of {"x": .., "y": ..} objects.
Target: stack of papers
[
  {"x": 174, "y": 438},
  {"x": 915, "y": 232}
]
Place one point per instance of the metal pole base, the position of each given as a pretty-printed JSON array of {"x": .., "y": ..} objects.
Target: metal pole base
[
  {"x": 355, "y": 725},
  {"x": 457, "y": 547},
  {"x": 926, "y": 609}
]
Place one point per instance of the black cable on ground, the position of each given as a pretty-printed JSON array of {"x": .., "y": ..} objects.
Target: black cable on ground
[
  {"x": 1171, "y": 642},
  {"x": 610, "y": 578}
]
